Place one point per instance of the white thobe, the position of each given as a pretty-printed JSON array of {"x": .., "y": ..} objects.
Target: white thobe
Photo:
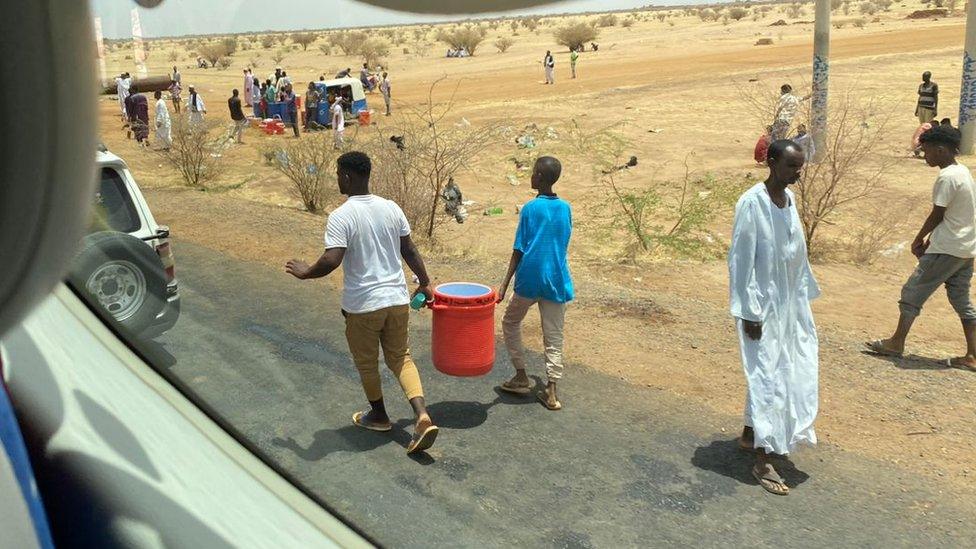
[
  {"x": 248, "y": 89},
  {"x": 770, "y": 281},
  {"x": 196, "y": 112},
  {"x": 163, "y": 124},
  {"x": 122, "y": 88}
]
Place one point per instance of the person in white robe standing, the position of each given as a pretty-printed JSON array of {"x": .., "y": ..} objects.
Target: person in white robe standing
[
  {"x": 122, "y": 85},
  {"x": 248, "y": 87},
  {"x": 196, "y": 106},
  {"x": 163, "y": 123},
  {"x": 771, "y": 286}
]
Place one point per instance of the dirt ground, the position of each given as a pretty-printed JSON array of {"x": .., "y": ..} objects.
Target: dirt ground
[{"x": 658, "y": 322}]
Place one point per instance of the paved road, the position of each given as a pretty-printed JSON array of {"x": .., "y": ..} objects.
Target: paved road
[{"x": 620, "y": 466}]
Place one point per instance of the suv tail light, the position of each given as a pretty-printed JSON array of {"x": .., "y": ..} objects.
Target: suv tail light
[{"x": 165, "y": 252}]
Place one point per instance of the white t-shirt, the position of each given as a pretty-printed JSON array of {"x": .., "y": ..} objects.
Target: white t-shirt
[
  {"x": 956, "y": 192},
  {"x": 337, "y": 113},
  {"x": 369, "y": 228}
]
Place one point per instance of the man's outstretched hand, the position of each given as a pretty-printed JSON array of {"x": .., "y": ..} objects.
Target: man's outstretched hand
[
  {"x": 752, "y": 329},
  {"x": 297, "y": 268}
]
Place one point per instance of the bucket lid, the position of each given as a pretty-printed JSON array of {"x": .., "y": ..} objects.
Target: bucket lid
[{"x": 464, "y": 293}]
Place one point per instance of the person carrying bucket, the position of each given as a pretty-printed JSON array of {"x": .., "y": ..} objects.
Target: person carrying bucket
[
  {"x": 369, "y": 236},
  {"x": 542, "y": 277}
]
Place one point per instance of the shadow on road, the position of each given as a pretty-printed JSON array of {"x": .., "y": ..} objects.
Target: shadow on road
[
  {"x": 725, "y": 458},
  {"x": 449, "y": 414},
  {"x": 911, "y": 362}
]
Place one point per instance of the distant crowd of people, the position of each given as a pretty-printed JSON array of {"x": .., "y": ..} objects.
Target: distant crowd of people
[{"x": 277, "y": 88}]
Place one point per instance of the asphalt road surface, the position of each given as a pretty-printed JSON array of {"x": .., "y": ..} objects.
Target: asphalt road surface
[{"x": 619, "y": 466}]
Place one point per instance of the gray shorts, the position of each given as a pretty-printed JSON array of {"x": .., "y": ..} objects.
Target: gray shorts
[{"x": 933, "y": 271}]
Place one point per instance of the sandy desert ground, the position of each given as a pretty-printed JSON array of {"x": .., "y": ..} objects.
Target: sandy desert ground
[{"x": 658, "y": 321}]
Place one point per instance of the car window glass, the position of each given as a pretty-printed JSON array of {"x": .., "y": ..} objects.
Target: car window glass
[{"x": 114, "y": 209}]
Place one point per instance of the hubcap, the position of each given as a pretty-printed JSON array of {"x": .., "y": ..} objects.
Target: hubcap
[{"x": 120, "y": 288}]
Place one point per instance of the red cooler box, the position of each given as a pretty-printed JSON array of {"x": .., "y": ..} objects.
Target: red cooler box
[{"x": 463, "y": 337}]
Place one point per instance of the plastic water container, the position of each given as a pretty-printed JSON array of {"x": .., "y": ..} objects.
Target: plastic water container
[{"x": 463, "y": 335}]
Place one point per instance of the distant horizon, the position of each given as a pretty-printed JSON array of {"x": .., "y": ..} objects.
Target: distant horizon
[{"x": 177, "y": 18}]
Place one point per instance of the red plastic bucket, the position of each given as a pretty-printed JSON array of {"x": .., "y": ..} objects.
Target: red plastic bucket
[{"x": 463, "y": 336}]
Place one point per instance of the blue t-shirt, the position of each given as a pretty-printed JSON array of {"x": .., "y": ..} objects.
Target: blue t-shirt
[{"x": 544, "y": 228}]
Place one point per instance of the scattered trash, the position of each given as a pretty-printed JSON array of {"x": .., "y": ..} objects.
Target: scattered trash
[
  {"x": 398, "y": 140},
  {"x": 416, "y": 280},
  {"x": 630, "y": 164},
  {"x": 497, "y": 210},
  {"x": 518, "y": 208},
  {"x": 551, "y": 133},
  {"x": 463, "y": 123},
  {"x": 453, "y": 201},
  {"x": 704, "y": 194},
  {"x": 526, "y": 141},
  {"x": 512, "y": 180},
  {"x": 468, "y": 202},
  {"x": 895, "y": 249},
  {"x": 655, "y": 130}
]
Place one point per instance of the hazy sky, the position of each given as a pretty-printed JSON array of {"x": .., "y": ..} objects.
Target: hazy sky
[{"x": 178, "y": 17}]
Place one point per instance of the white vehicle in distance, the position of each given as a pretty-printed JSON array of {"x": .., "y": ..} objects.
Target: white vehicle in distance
[{"x": 125, "y": 263}]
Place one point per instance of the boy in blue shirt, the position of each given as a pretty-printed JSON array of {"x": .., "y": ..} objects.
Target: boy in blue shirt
[{"x": 542, "y": 277}]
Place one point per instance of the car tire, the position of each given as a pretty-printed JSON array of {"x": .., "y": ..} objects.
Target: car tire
[{"x": 122, "y": 276}]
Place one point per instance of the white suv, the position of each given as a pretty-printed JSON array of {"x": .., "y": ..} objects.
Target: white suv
[{"x": 125, "y": 263}]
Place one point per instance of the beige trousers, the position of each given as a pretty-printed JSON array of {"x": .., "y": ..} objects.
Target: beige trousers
[
  {"x": 386, "y": 328},
  {"x": 553, "y": 315}
]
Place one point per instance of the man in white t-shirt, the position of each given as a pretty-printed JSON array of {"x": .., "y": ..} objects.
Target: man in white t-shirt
[
  {"x": 786, "y": 109},
  {"x": 369, "y": 236},
  {"x": 945, "y": 246},
  {"x": 338, "y": 122}
]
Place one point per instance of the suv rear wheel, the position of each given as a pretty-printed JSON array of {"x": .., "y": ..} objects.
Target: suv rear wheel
[{"x": 124, "y": 276}]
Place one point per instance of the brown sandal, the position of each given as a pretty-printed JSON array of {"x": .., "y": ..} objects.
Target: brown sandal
[{"x": 771, "y": 481}]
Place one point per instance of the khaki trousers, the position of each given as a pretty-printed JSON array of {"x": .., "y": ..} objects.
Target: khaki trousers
[
  {"x": 553, "y": 315},
  {"x": 387, "y": 328}
]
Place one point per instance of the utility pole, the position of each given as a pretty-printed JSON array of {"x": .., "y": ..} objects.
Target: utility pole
[
  {"x": 967, "y": 95},
  {"x": 821, "y": 66}
]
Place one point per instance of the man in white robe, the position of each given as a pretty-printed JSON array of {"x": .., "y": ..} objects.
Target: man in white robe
[
  {"x": 771, "y": 285},
  {"x": 122, "y": 84},
  {"x": 195, "y": 104},
  {"x": 163, "y": 123}
]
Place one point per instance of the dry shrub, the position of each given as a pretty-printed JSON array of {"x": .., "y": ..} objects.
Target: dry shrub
[
  {"x": 267, "y": 42},
  {"x": 795, "y": 11},
  {"x": 627, "y": 23},
  {"x": 435, "y": 150},
  {"x": 575, "y": 35},
  {"x": 503, "y": 43},
  {"x": 225, "y": 62},
  {"x": 835, "y": 4},
  {"x": 661, "y": 16},
  {"x": 860, "y": 22},
  {"x": 348, "y": 41},
  {"x": 173, "y": 56},
  {"x": 213, "y": 52},
  {"x": 608, "y": 20},
  {"x": 372, "y": 50},
  {"x": 707, "y": 15},
  {"x": 868, "y": 8},
  {"x": 839, "y": 24},
  {"x": 878, "y": 231},
  {"x": 738, "y": 13},
  {"x": 468, "y": 39},
  {"x": 851, "y": 168},
  {"x": 309, "y": 163},
  {"x": 326, "y": 49},
  {"x": 764, "y": 42},
  {"x": 303, "y": 39},
  {"x": 279, "y": 56},
  {"x": 195, "y": 152}
]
